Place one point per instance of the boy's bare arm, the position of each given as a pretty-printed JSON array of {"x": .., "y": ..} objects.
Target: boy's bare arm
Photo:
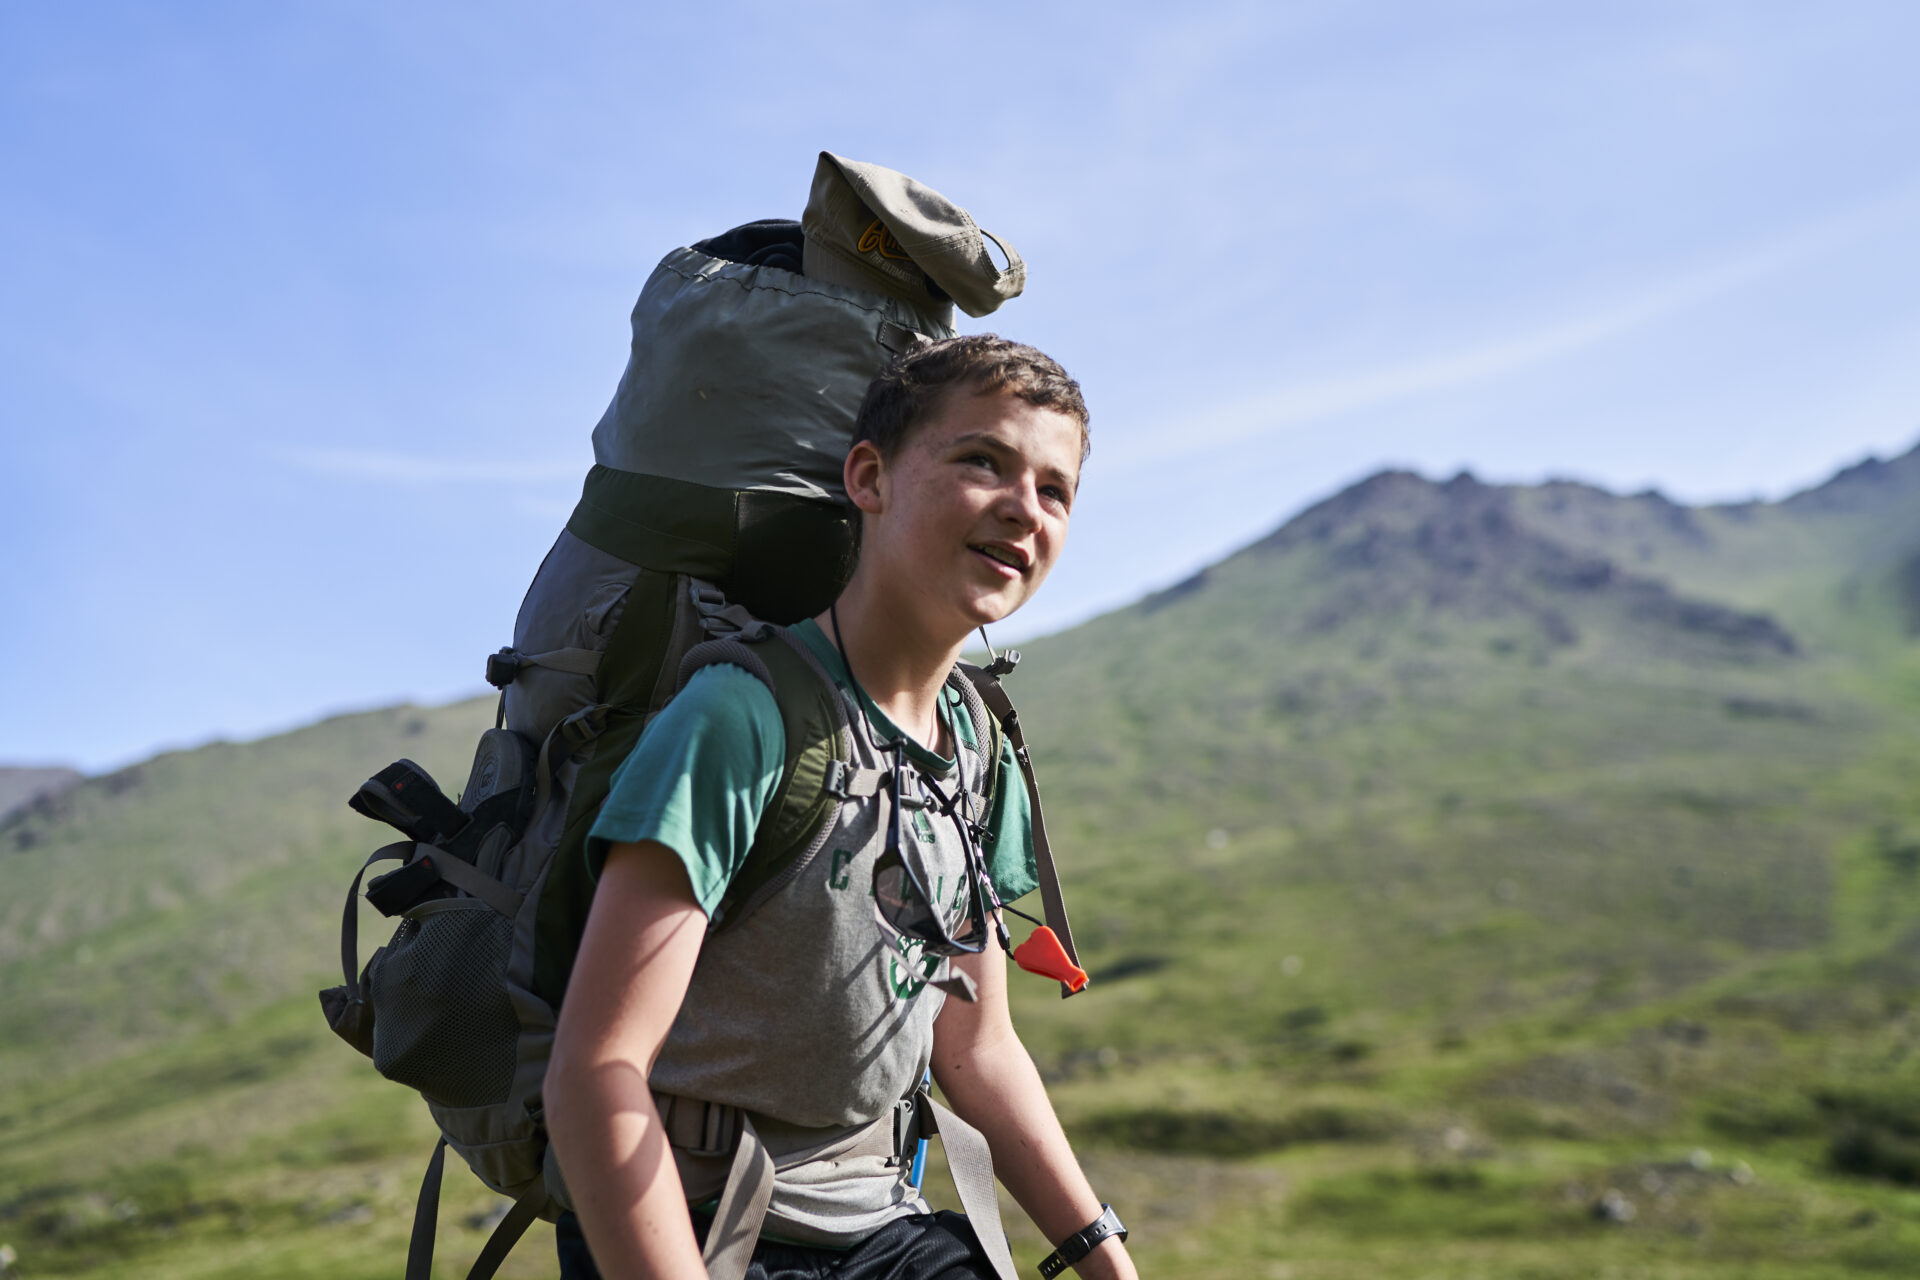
[
  {"x": 991, "y": 1081},
  {"x": 636, "y": 958}
]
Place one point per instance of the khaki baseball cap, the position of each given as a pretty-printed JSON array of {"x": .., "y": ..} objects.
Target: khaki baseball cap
[{"x": 873, "y": 228}]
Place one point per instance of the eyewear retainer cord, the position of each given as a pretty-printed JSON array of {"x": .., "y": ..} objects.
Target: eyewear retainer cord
[{"x": 897, "y": 748}]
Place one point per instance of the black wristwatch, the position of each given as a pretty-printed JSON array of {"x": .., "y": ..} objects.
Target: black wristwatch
[{"x": 1081, "y": 1243}]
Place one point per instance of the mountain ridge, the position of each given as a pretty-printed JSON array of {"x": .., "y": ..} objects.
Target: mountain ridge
[
  {"x": 22, "y": 785},
  {"x": 1576, "y": 824}
]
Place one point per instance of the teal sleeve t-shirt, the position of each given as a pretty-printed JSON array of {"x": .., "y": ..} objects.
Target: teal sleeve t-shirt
[
  {"x": 706, "y": 769},
  {"x": 698, "y": 780}
]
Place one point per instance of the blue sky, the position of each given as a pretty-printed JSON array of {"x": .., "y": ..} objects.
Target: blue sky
[{"x": 308, "y": 309}]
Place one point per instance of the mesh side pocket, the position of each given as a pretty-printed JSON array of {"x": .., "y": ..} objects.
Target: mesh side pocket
[{"x": 443, "y": 1022}]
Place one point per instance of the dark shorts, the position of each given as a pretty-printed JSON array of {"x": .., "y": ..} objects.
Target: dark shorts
[{"x": 935, "y": 1246}]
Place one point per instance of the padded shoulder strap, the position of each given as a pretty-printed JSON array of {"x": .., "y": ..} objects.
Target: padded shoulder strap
[
  {"x": 800, "y": 815},
  {"x": 987, "y": 735},
  {"x": 727, "y": 651}
]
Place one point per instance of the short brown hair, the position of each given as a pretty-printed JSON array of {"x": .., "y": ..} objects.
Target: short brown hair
[{"x": 914, "y": 381}]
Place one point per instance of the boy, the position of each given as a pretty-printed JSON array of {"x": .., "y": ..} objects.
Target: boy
[{"x": 816, "y": 1012}]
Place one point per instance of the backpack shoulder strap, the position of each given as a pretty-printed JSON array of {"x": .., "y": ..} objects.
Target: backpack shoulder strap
[
  {"x": 994, "y": 696},
  {"x": 814, "y": 774},
  {"x": 988, "y": 736}
]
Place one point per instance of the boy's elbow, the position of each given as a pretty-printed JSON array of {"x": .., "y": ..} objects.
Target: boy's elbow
[
  {"x": 567, "y": 1090},
  {"x": 557, "y": 1092},
  {"x": 587, "y": 1080}
]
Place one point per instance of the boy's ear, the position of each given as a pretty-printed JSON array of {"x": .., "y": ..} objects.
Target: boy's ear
[{"x": 861, "y": 475}]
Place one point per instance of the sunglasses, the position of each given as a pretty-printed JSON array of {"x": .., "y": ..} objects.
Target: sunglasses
[{"x": 902, "y": 894}]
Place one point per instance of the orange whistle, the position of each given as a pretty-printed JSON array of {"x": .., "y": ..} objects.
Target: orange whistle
[{"x": 1043, "y": 954}]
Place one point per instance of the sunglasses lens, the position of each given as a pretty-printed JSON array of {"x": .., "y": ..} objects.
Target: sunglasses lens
[
  {"x": 902, "y": 905},
  {"x": 904, "y": 908},
  {"x": 970, "y": 932}
]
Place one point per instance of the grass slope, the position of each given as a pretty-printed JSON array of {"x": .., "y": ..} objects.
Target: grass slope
[{"x": 1478, "y": 881}]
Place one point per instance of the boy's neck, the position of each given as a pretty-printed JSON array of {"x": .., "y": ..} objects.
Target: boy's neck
[{"x": 899, "y": 664}]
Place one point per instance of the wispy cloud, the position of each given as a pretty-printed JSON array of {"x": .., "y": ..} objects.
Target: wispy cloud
[
  {"x": 1303, "y": 405},
  {"x": 416, "y": 469}
]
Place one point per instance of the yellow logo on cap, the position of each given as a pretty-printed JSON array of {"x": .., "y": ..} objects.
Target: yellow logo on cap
[{"x": 877, "y": 237}]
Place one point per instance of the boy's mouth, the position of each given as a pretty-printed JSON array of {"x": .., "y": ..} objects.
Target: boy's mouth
[{"x": 1012, "y": 557}]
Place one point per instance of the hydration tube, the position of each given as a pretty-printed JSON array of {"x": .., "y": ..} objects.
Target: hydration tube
[{"x": 918, "y": 1173}]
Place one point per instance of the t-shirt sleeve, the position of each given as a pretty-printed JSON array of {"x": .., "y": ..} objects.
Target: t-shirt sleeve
[
  {"x": 1010, "y": 823},
  {"x": 698, "y": 780}
]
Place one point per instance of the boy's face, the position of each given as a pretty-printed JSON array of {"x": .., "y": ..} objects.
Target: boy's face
[{"x": 968, "y": 517}]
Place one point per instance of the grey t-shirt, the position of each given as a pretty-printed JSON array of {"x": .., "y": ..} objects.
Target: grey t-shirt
[{"x": 806, "y": 1011}]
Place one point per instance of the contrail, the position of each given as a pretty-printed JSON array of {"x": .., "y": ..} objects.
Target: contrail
[{"x": 1297, "y": 406}]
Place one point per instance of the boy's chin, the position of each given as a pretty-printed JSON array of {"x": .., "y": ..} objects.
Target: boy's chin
[{"x": 986, "y": 611}]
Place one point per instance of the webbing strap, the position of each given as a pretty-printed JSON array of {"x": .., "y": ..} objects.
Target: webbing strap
[
  {"x": 708, "y": 1129},
  {"x": 743, "y": 1207},
  {"x": 426, "y": 1216},
  {"x": 717, "y": 617},
  {"x": 462, "y": 874},
  {"x": 350, "y": 919},
  {"x": 897, "y": 337},
  {"x": 851, "y": 782},
  {"x": 508, "y": 1232},
  {"x": 578, "y": 662},
  {"x": 971, "y": 1164},
  {"x": 573, "y": 733},
  {"x": 543, "y": 768},
  {"x": 1053, "y": 902}
]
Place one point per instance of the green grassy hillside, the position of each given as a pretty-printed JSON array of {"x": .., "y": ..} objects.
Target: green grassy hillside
[{"x": 1478, "y": 881}]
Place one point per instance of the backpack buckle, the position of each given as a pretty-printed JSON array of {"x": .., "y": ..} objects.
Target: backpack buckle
[
  {"x": 583, "y": 726},
  {"x": 698, "y": 1127},
  {"x": 503, "y": 667},
  {"x": 850, "y": 782},
  {"x": 911, "y": 1124},
  {"x": 395, "y": 891}
]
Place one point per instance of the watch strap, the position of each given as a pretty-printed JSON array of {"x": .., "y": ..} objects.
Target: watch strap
[{"x": 1082, "y": 1242}]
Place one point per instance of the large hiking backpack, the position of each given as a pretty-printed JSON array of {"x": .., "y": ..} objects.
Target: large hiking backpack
[{"x": 712, "y": 510}]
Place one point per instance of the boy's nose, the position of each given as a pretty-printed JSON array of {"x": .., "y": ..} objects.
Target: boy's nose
[{"x": 1021, "y": 504}]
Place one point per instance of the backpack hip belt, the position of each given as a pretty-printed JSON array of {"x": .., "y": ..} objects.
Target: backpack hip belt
[{"x": 703, "y": 1135}]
